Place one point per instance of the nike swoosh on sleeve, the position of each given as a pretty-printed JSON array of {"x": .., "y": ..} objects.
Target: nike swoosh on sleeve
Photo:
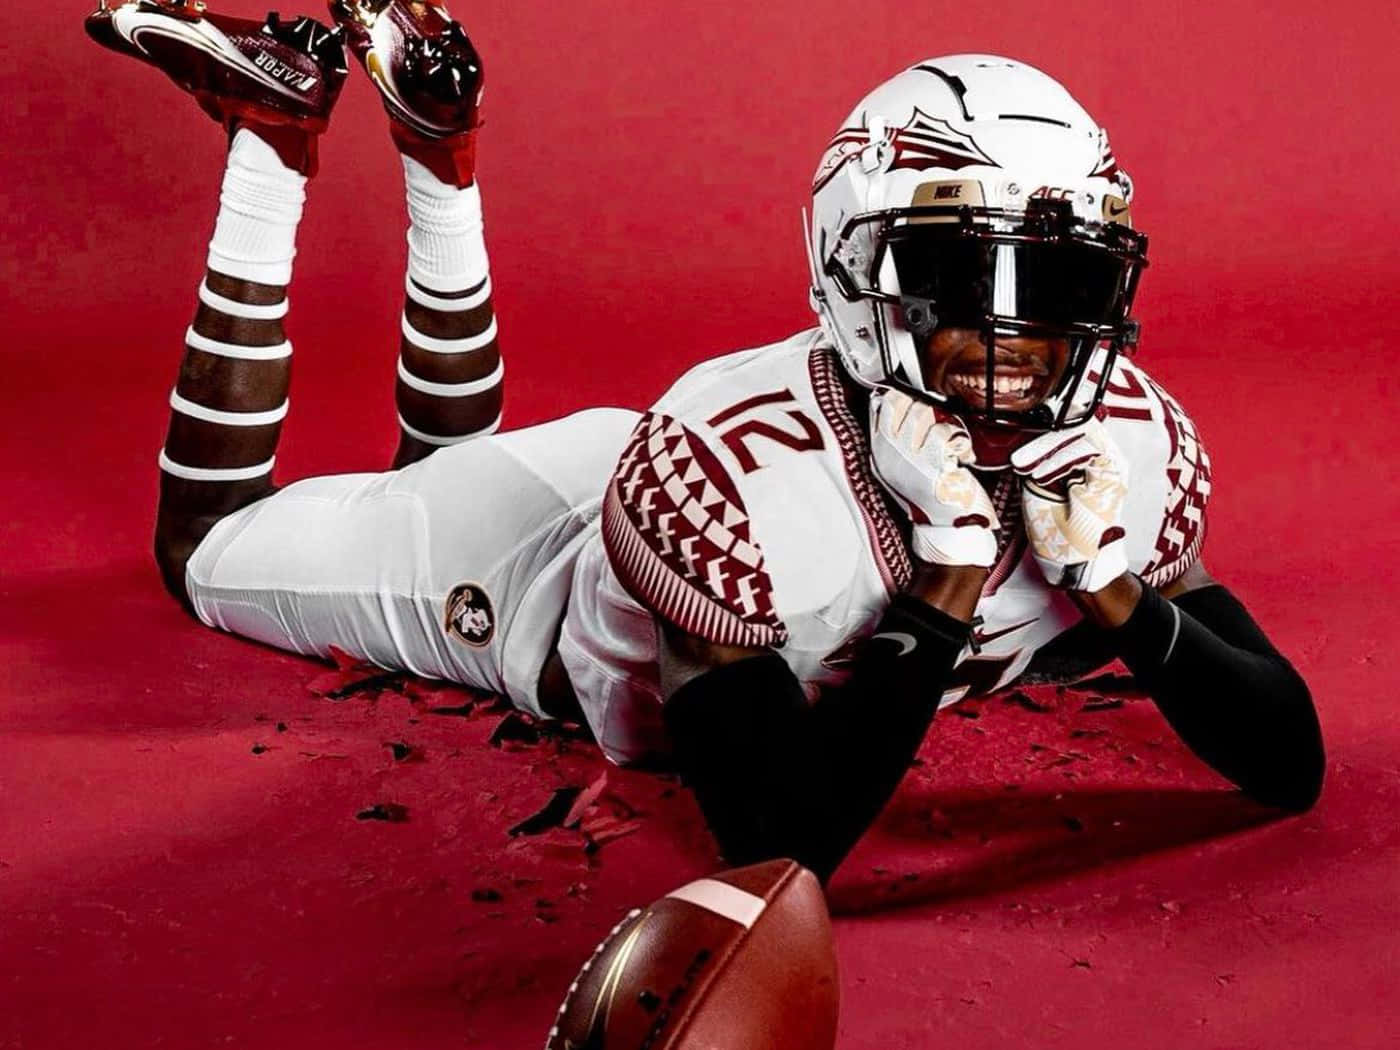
[
  {"x": 906, "y": 642},
  {"x": 982, "y": 639}
]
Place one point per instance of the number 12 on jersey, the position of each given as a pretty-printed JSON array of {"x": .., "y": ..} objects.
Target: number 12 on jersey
[{"x": 775, "y": 416}]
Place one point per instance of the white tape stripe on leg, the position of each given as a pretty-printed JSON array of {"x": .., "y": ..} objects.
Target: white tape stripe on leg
[
  {"x": 248, "y": 311},
  {"x": 723, "y": 899},
  {"x": 434, "y": 302},
  {"x": 473, "y": 386},
  {"x": 179, "y": 470},
  {"x": 455, "y": 439},
  {"x": 230, "y": 419},
  {"x": 243, "y": 353},
  {"x": 449, "y": 346},
  {"x": 277, "y": 272}
]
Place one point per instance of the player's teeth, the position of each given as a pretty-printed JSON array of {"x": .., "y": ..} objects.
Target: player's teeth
[{"x": 974, "y": 387}]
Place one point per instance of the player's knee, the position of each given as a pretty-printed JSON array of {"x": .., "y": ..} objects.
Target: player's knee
[
  {"x": 171, "y": 559},
  {"x": 175, "y": 543}
]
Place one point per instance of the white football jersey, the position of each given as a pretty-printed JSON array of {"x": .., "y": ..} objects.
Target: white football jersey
[{"x": 744, "y": 510}]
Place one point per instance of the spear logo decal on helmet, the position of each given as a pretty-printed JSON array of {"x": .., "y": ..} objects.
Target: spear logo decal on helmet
[{"x": 924, "y": 142}]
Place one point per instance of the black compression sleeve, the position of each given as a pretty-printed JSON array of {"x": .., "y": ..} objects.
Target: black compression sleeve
[
  {"x": 778, "y": 777},
  {"x": 1233, "y": 698}
]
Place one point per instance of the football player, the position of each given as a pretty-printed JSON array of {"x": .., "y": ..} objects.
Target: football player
[{"x": 776, "y": 575}]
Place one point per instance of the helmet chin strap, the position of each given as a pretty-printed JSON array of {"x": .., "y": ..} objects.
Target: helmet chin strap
[
  {"x": 898, "y": 337},
  {"x": 816, "y": 298}
]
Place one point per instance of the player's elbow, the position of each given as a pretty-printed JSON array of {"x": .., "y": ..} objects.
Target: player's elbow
[
  {"x": 1292, "y": 777},
  {"x": 1294, "y": 796},
  {"x": 1297, "y": 785}
]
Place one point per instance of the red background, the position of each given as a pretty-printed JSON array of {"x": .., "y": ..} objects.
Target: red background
[{"x": 643, "y": 166}]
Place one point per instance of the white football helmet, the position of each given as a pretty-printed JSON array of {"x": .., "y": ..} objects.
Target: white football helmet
[{"x": 973, "y": 191}]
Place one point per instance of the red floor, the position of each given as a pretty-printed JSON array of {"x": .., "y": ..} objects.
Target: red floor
[{"x": 180, "y": 859}]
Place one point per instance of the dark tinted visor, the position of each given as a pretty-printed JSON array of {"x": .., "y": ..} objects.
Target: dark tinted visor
[{"x": 970, "y": 275}]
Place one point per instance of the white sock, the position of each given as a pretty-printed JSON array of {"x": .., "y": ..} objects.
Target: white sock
[
  {"x": 446, "y": 249},
  {"x": 259, "y": 208}
]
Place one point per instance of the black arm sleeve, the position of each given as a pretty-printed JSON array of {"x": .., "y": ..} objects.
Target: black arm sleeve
[
  {"x": 777, "y": 777},
  {"x": 1233, "y": 698}
]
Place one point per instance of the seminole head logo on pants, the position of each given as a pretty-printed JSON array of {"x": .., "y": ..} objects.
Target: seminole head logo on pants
[{"x": 469, "y": 616}]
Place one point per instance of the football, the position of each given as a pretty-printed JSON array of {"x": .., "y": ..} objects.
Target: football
[{"x": 741, "y": 960}]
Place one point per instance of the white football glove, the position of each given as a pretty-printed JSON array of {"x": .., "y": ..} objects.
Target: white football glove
[
  {"x": 1074, "y": 485},
  {"x": 921, "y": 453}
]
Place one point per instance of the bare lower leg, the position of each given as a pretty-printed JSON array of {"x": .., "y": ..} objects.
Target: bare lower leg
[
  {"x": 446, "y": 395},
  {"x": 449, "y": 375},
  {"x": 231, "y": 395},
  {"x": 213, "y": 452}
]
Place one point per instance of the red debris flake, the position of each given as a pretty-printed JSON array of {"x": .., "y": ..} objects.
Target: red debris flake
[
  {"x": 1102, "y": 703},
  {"x": 555, "y": 845},
  {"x": 403, "y": 752},
  {"x": 325, "y": 684},
  {"x": 599, "y": 833},
  {"x": 442, "y": 698},
  {"x": 344, "y": 661},
  {"x": 1021, "y": 698},
  {"x": 586, "y": 800},
  {"x": 550, "y": 815},
  {"x": 581, "y": 819},
  {"x": 454, "y": 711},
  {"x": 353, "y": 676},
  {"x": 609, "y": 818},
  {"x": 514, "y": 731},
  {"x": 389, "y": 812}
]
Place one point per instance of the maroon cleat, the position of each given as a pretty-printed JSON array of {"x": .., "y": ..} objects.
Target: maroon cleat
[
  {"x": 428, "y": 74},
  {"x": 280, "y": 78}
]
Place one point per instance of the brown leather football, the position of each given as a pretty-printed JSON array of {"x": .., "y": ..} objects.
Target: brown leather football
[{"x": 743, "y": 960}]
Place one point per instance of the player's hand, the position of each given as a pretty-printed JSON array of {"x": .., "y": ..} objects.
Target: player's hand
[
  {"x": 1073, "y": 487},
  {"x": 921, "y": 454}
]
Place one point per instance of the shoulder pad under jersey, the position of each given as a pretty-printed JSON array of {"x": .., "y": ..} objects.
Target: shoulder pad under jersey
[
  {"x": 677, "y": 534},
  {"x": 731, "y": 513}
]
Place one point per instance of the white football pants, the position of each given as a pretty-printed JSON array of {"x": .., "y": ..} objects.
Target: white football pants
[{"x": 368, "y": 563}]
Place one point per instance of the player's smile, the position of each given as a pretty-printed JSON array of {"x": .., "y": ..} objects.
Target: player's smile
[{"x": 1026, "y": 369}]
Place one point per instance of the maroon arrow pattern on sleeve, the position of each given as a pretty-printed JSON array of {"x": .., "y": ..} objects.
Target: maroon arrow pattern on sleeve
[{"x": 677, "y": 534}]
